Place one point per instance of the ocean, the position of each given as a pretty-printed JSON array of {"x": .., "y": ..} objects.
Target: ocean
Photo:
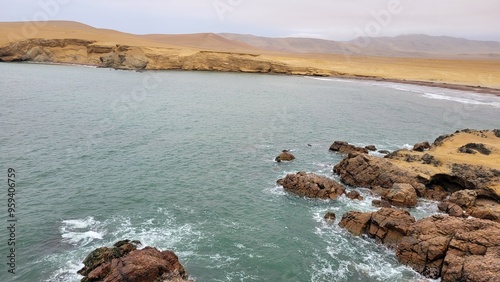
[{"x": 184, "y": 161}]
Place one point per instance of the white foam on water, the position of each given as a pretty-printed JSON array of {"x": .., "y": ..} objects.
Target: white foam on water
[
  {"x": 81, "y": 231},
  {"x": 161, "y": 231},
  {"x": 472, "y": 100},
  {"x": 348, "y": 257},
  {"x": 318, "y": 78}
]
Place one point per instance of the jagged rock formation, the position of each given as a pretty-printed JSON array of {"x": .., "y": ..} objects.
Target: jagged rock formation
[
  {"x": 437, "y": 173},
  {"x": 311, "y": 185},
  {"x": 386, "y": 225},
  {"x": 401, "y": 195},
  {"x": 455, "y": 249},
  {"x": 346, "y": 148},
  {"x": 125, "y": 263}
]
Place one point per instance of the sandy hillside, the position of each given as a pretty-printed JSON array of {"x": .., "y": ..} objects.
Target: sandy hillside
[{"x": 214, "y": 52}]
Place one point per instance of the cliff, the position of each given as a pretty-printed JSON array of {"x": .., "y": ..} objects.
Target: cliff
[{"x": 75, "y": 43}]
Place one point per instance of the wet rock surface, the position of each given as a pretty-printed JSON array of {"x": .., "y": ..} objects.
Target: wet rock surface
[
  {"x": 125, "y": 263},
  {"x": 455, "y": 249},
  {"x": 285, "y": 156},
  {"x": 346, "y": 148},
  {"x": 312, "y": 185}
]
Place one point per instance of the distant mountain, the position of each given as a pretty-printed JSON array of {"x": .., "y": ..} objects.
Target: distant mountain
[
  {"x": 400, "y": 46},
  {"x": 200, "y": 40}
]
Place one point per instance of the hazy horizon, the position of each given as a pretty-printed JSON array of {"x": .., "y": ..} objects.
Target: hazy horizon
[{"x": 330, "y": 20}]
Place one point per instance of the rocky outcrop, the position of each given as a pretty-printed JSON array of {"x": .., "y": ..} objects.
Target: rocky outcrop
[
  {"x": 354, "y": 195},
  {"x": 437, "y": 173},
  {"x": 285, "y": 156},
  {"x": 125, "y": 263},
  {"x": 401, "y": 195},
  {"x": 371, "y": 148},
  {"x": 311, "y": 185},
  {"x": 377, "y": 173},
  {"x": 420, "y": 147},
  {"x": 346, "y": 148},
  {"x": 455, "y": 249},
  {"x": 386, "y": 225},
  {"x": 451, "y": 209},
  {"x": 472, "y": 148},
  {"x": 464, "y": 198}
]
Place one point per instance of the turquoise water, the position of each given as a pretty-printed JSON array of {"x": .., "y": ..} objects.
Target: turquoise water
[{"x": 184, "y": 161}]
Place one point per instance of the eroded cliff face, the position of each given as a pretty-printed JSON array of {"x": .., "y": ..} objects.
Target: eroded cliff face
[{"x": 85, "y": 52}]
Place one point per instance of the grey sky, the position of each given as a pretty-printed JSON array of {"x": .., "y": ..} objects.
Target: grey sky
[{"x": 329, "y": 19}]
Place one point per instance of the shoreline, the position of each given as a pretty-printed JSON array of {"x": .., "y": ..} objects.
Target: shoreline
[{"x": 459, "y": 87}]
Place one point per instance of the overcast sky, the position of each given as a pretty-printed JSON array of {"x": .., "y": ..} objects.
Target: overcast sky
[{"x": 328, "y": 19}]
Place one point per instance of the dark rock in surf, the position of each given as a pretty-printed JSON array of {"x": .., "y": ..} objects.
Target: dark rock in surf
[
  {"x": 346, "y": 148},
  {"x": 371, "y": 148},
  {"x": 285, "y": 156},
  {"x": 354, "y": 195}
]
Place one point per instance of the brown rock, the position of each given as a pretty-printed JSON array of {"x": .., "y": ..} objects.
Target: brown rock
[
  {"x": 371, "y": 148},
  {"x": 401, "y": 195},
  {"x": 345, "y": 148},
  {"x": 435, "y": 192},
  {"x": 451, "y": 209},
  {"x": 355, "y": 222},
  {"x": 381, "y": 203},
  {"x": 457, "y": 249},
  {"x": 330, "y": 217},
  {"x": 312, "y": 185},
  {"x": 125, "y": 263},
  {"x": 420, "y": 147},
  {"x": 390, "y": 225},
  {"x": 285, "y": 156},
  {"x": 354, "y": 195},
  {"x": 464, "y": 198},
  {"x": 371, "y": 172},
  {"x": 386, "y": 225}
]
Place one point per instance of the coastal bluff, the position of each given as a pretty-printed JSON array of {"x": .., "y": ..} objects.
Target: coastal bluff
[
  {"x": 462, "y": 168},
  {"x": 64, "y": 42},
  {"x": 461, "y": 171}
]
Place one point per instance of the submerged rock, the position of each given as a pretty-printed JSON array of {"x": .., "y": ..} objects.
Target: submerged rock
[
  {"x": 312, "y": 185},
  {"x": 125, "y": 263},
  {"x": 330, "y": 217}
]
